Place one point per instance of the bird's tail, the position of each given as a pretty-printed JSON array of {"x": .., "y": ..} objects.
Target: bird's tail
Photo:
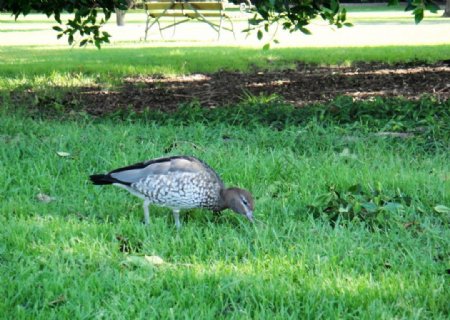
[{"x": 100, "y": 179}]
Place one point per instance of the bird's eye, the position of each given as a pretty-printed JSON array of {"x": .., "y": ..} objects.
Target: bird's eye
[{"x": 244, "y": 201}]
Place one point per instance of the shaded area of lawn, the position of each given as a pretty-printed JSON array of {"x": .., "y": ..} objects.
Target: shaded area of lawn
[{"x": 304, "y": 85}]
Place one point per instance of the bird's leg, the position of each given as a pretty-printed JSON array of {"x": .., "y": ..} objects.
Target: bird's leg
[
  {"x": 146, "y": 213},
  {"x": 176, "y": 216}
]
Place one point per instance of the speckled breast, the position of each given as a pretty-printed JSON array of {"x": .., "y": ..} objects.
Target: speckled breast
[{"x": 180, "y": 191}]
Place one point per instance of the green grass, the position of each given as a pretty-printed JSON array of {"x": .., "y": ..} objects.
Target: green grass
[
  {"x": 62, "y": 260},
  {"x": 32, "y": 66},
  {"x": 66, "y": 258}
]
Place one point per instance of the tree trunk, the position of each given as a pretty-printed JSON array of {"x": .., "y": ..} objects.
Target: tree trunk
[
  {"x": 120, "y": 14},
  {"x": 120, "y": 17},
  {"x": 447, "y": 9}
]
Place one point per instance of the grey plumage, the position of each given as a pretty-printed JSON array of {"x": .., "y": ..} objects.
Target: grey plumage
[{"x": 179, "y": 182}]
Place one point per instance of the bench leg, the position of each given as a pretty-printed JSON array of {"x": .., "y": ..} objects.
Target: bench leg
[
  {"x": 149, "y": 25},
  {"x": 160, "y": 30},
  {"x": 232, "y": 27},
  {"x": 220, "y": 28},
  {"x": 146, "y": 28},
  {"x": 174, "y": 27}
]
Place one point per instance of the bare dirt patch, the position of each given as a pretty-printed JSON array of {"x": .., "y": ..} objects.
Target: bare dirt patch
[{"x": 304, "y": 85}]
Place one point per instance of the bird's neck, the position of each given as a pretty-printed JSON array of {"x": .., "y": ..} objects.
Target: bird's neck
[{"x": 223, "y": 200}]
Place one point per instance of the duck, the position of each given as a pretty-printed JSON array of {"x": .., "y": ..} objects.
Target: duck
[{"x": 178, "y": 183}]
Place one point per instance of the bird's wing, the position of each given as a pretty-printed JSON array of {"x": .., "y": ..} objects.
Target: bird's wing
[{"x": 161, "y": 166}]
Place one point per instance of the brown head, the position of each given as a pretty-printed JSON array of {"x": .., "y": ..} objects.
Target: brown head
[{"x": 238, "y": 200}]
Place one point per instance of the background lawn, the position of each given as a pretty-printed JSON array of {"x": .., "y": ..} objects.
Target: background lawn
[
  {"x": 352, "y": 197},
  {"x": 32, "y": 67}
]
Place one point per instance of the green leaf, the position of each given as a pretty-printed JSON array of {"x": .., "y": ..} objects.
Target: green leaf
[
  {"x": 266, "y": 46},
  {"x": 323, "y": 200},
  {"x": 343, "y": 15},
  {"x": 83, "y": 42},
  {"x": 393, "y": 207},
  {"x": 255, "y": 22},
  {"x": 259, "y": 34},
  {"x": 334, "y": 5},
  {"x": 357, "y": 207},
  {"x": 418, "y": 15},
  {"x": 56, "y": 28},
  {"x": 370, "y": 207},
  {"x": 442, "y": 209},
  {"x": 58, "y": 17},
  {"x": 357, "y": 188},
  {"x": 304, "y": 30}
]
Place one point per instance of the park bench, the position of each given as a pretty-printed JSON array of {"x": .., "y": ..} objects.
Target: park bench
[{"x": 187, "y": 11}]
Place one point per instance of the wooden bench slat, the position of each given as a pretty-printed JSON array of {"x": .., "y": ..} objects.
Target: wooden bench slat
[
  {"x": 200, "y": 6},
  {"x": 166, "y": 14},
  {"x": 205, "y": 5},
  {"x": 163, "y": 6},
  {"x": 193, "y": 14}
]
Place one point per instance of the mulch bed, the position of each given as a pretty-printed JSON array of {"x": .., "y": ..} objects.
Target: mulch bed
[{"x": 304, "y": 85}]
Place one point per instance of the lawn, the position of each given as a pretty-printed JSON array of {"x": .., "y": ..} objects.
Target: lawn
[
  {"x": 72, "y": 249},
  {"x": 30, "y": 66},
  {"x": 352, "y": 197}
]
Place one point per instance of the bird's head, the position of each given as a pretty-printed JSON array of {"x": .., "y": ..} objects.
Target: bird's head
[{"x": 240, "y": 201}]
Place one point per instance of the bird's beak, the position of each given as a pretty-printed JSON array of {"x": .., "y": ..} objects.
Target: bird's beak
[{"x": 249, "y": 215}]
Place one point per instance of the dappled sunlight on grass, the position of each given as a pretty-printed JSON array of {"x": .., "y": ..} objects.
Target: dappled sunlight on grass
[
  {"x": 61, "y": 80},
  {"x": 194, "y": 59}
]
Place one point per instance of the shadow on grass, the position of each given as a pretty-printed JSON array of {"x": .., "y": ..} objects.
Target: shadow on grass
[{"x": 303, "y": 86}]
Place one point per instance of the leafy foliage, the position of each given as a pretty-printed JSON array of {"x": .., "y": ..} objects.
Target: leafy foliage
[
  {"x": 297, "y": 15},
  {"x": 85, "y": 20},
  {"x": 374, "y": 207},
  {"x": 418, "y": 7}
]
